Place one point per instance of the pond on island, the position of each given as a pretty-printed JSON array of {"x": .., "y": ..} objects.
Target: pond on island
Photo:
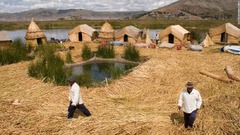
[{"x": 99, "y": 72}]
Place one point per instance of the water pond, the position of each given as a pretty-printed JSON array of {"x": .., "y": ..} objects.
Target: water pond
[{"x": 99, "y": 72}]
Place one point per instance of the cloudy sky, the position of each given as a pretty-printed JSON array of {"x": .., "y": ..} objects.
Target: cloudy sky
[{"x": 12, "y": 6}]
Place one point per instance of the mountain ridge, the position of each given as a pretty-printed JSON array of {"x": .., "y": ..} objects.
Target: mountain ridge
[
  {"x": 182, "y": 9},
  {"x": 196, "y": 9},
  {"x": 42, "y": 14}
]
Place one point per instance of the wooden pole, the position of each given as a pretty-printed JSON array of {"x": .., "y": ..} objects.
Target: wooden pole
[
  {"x": 231, "y": 74},
  {"x": 106, "y": 81},
  {"x": 221, "y": 78}
]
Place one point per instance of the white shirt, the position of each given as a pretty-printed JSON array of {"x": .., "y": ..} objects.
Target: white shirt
[
  {"x": 190, "y": 102},
  {"x": 75, "y": 95}
]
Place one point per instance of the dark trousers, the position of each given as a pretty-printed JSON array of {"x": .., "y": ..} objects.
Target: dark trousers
[
  {"x": 81, "y": 107},
  {"x": 189, "y": 118}
]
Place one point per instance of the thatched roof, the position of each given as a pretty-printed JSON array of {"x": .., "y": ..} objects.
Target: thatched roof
[
  {"x": 34, "y": 31},
  {"x": 228, "y": 28},
  {"x": 84, "y": 28},
  {"x": 131, "y": 31},
  {"x": 4, "y": 36},
  {"x": 177, "y": 30},
  {"x": 106, "y": 27}
]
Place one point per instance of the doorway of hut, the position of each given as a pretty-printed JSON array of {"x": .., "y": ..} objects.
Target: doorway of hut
[
  {"x": 224, "y": 37},
  {"x": 39, "y": 41},
  {"x": 170, "y": 38},
  {"x": 80, "y": 38},
  {"x": 125, "y": 38}
]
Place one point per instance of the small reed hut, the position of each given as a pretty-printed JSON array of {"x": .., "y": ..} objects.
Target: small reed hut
[
  {"x": 106, "y": 33},
  {"x": 5, "y": 41},
  {"x": 175, "y": 34},
  {"x": 82, "y": 33},
  {"x": 207, "y": 41},
  {"x": 128, "y": 34},
  {"x": 226, "y": 33},
  {"x": 34, "y": 36}
]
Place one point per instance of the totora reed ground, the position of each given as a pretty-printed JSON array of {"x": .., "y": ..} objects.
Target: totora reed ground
[{"x": 141, "y": 102}]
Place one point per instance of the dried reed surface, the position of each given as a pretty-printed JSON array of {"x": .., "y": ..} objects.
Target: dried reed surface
[{"x": 142, "y": 102}]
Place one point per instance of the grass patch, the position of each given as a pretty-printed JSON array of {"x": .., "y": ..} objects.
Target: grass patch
[
  {"x": 15, "y": 53},
  {"x": 106, "y": 51},
  {"x": 69, "y": 57},
  {"x": 86, "y": 52},
  {"x": 116, "y": 72},
  {"x": 131, "y": 53},
  {"x": 49, "y": 66}
]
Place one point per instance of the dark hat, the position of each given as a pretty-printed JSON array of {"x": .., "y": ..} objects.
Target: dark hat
[
  {"x": 72, "y": 78},
  {"x": 190, "y": 85}
]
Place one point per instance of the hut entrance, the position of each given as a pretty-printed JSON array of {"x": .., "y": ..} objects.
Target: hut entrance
[
  {"x": 224, "y": 37},
  {"x": 170, "y": 38},
  {"x": 39, "y": 41},
  {"x": 125, "y": 38},
  {"x": 80, "y": 38}
]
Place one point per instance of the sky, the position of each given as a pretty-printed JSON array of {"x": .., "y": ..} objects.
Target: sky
[{"x": 13, "y": 6}]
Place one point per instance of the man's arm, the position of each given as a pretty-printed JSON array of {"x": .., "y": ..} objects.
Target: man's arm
[
  {"x": 199, "y": 101},
  {"x": 180, "y": 101}
]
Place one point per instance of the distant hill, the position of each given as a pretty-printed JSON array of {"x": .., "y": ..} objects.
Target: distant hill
[
  {"x": 182, "y": 9},
  {"x": 69, "y": 14},
  {"x": 196, "y": 9}
]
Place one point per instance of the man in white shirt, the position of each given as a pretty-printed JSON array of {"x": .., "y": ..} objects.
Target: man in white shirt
[
  {"x": 189, "y": 101},
  {"x": 75, "y": 99}
]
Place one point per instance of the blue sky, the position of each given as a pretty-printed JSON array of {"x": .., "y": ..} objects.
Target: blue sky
[{"x": 12, "y": 6}]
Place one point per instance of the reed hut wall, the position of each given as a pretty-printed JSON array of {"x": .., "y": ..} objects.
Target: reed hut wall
[
  {"x": 232, "y": 33},
  {"x": 82, "y": 33},
  {"x": 180, "y": 35},
  {"x": 176, "y": 41},
  {"x": 230, "y": 38},
  {"x": 5, "y": 41},
  {"x": 106, "y": 36},
  {"x": 74, "y": 37},
  {"x": 106, "y": 33},
  {"x": 130, "y": 39},
  {"x": 34, "y": 42},
  {"x": 34, "y": 35}
]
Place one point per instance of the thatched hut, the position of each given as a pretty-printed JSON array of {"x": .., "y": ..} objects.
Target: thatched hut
[
  {"x": 175, "y": 34},
  {"x": 81, "y": 33},
  {"x": 5, "y": 41},
  {"x": 207, "y": 41},
  {"x": 128, "y": 34},
  {"x": 34, "y": 36},
  {"x": 106, "y": 33},
  {"x": 226, "y": 33}
]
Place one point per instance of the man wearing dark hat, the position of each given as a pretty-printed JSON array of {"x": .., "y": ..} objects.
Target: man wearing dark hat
[
  {"x": 189, "y": 101},
  {"x": 75, "y": 98}
]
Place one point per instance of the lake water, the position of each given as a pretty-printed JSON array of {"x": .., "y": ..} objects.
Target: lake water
[
  {"x": 99, "y": 71},
  {"x": 57, "y": 33}
]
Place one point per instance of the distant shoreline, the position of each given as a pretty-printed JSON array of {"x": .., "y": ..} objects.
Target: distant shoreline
[{"x": 202, "y": 25}]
